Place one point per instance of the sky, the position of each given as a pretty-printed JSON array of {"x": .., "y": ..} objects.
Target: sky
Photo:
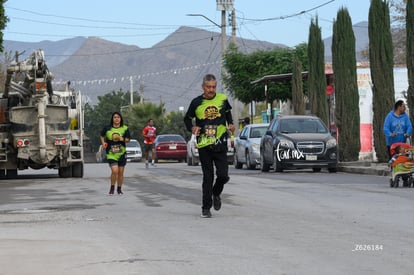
[{"x": 145, "y": 23}]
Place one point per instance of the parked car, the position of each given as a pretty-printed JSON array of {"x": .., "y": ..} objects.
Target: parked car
[
  {"x": 170, "y": 147},
  {"x": 100, "y": 154},
  {"x": 295, "y": 141},
  {"x": 133, "y": 150},
  {"x": 192, "y": 150},
  {"x": 230, "y": 148},
  {"x": 247, "y": 145}
]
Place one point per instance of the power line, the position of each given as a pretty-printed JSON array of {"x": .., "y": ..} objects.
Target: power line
[
  {"x": 288, "y": 16},
  {"x": 93, "y": 27},
  {"x": 85, "y": 19},
  {"x": 140, "y": 76}
]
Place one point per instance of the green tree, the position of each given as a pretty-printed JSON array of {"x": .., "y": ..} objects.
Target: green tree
[
  {"x": 317, "y": 79},
  {"x": 173, "y": 123},
  {"x": 346, "y": 87},
  {"x": 3, "y": 22},
  {"x": 410, "y": 54},
  {"x": 242, "y": 69},
  {"x": 96, "y": 117},
  {"x": 137, "y": 116},
  {"x": 7, "y": 56},
  {"x": 382, "y": 75},
  {"x": 298, "y": 98}
]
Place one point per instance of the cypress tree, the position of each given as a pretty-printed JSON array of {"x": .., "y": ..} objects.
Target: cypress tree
[
  {"x": 298, "y": 99},
  {"x": 317, "y": 78},
  {"x": 3, "y": 22},
  {"x": 382, "y": 74},
  {"x": 410, "y": 54},
  {"x": 346, "y": 87}
]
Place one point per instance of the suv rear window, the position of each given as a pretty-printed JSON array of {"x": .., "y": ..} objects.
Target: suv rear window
[
  {"x": 170, "y": 138},
  {"x": 302, "y": 126},
  {"x": 132, "y": 143}
]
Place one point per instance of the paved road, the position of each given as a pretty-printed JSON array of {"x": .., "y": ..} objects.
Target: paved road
[{"x": 289, "y": 223}]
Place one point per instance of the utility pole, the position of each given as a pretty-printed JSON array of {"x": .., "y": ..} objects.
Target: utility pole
[
  {"x": 223, "y": 46},
  {"x": 233, "y": 27},
  {"x": 131, "y": 89},
  {"x": 141, "y": 91},
  {"x": 225, "y": 5},
  {"x": 235, "y": 101}
]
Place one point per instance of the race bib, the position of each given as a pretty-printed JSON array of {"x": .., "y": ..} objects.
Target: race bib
[
  {"x": 116, "y": 148},
  {"x": 210, "y": 130}
]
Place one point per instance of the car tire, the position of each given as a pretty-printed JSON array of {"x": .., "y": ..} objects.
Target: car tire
[
  {"x": 317, "y": 169},
  {"x": 237, "y": 164},
  {"x": 194, "y": 161},
  {"x": 249, "y": 162},
  {"x": 264, "y": 167},
  {"x": 276, "y": 164},
  {"x": 332, "y": 170}
]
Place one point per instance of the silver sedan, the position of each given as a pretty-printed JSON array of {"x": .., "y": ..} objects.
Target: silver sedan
[{"x": 247, "y": 145}]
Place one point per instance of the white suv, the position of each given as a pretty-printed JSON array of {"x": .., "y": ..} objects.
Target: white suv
[
  {"x": 133, "y": 150},
  {"x": 192, "y": 150}
]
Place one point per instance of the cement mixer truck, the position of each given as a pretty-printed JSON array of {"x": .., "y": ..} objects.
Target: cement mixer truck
[{"x": 39, "y": 127}]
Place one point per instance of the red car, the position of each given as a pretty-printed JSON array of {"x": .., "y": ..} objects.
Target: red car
[{"x": 170, "y": 147}]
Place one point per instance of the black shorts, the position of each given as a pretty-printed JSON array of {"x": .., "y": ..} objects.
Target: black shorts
[
  {"x": 148, "y": 147},
  {"x": 121, "y": 162}
]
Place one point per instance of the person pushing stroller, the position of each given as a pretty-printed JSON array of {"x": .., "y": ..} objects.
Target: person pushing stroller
[{"x": 402, "y": 164}]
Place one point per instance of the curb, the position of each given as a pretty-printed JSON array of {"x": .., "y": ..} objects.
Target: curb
[{"x": 365, "y": 168}]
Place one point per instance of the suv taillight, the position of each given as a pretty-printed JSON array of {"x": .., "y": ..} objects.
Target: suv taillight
[
  {"x": 22, "y": 142},
  {"x": 61, "y": 141}
]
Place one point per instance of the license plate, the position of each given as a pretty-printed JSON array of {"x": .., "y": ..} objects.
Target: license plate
[
  {"x": 23, "y": 153},
  {"x": 173, "y": 147},
  {"x": 311, "y": 157}
]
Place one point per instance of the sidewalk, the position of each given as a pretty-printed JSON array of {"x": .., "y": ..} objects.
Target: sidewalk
[{"x": 364, "y": 167}]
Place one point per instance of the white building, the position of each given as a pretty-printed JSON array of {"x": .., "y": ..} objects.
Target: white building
[{"x": 367, "y": 151}]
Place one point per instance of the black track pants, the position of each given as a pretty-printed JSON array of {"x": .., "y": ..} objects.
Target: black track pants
[{"x": 208, "y": 160}]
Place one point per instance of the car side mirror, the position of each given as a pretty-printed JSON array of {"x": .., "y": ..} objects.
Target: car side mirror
[{"x": 269, "y": 133}]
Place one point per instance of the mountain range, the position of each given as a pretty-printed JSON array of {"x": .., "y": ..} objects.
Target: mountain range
[{"x": 169, "y": 72}]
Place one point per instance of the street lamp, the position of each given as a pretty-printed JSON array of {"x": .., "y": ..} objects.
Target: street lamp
[
  {"x": 223, "y": 6},
  {"x": 223, "y": 35},
  {"x": 205, "y": 17}
]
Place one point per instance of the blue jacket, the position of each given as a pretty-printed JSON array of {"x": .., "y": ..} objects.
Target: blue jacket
[{"x": 397, "y": 124}]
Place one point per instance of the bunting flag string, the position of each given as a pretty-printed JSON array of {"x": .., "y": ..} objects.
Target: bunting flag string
[{"x": 121, "y": 79}]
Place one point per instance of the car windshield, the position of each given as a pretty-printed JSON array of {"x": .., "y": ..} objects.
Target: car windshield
[
  {"x": 302, "y": 126},
  {"x": 132, "y": 143},
  {"x": 170, "y": 138},
  {"x": 258, "y": 132}
]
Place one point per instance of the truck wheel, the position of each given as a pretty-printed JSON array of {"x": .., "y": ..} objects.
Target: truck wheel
[
  {"x": 65, "y": 172},
  {"x": 77, "y": 170},
  {"x": 2, "y": 174},
  {"x": 11, "y": 173}
]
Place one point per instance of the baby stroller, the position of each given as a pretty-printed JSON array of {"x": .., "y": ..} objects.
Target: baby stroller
[{"x": 402, "y": 170}]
